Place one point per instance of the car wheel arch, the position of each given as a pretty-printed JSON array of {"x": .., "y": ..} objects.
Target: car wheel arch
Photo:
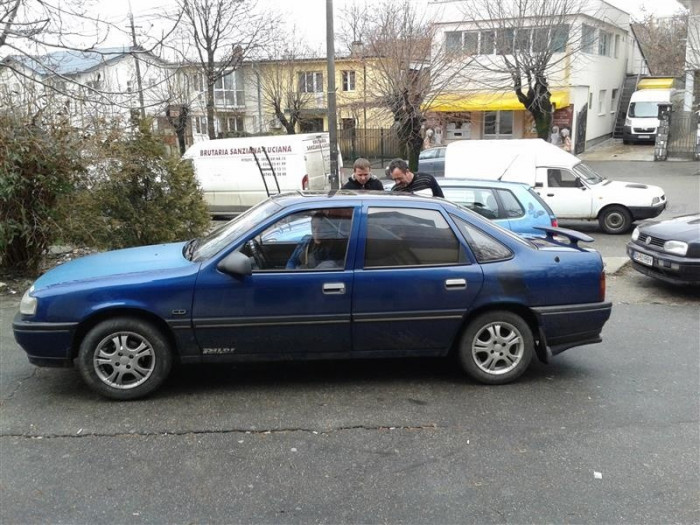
[
  {"x": 99, "y": 316},
  {"x": 518, "y": 309},
  {"x": 615, "y": 205}
]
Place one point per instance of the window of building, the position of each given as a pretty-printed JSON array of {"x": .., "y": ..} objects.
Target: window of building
[
  {"x": 522, "y": 39},
  {"x": 559, "y": 38},
  {"x": 470, "y": 44},
  {"x": 540, "y": 42},
  {"x": 601, "y": 101},
  {"x": 348, "y": 80},
  {"x": 488, "y": 42},
  {"x": 228, "y": 90},
  {"x": 590, "y": 101},
  {"x": 234, "y": 124},
  {"x": 616, "y": 52},
  {"x": 94, "y": 84},
  {"x": 409, "y": 237},
  {"x": 453, "y": 41},
  {"x": 311, "y": 82},
  {"x": 197, "y": 82},
  {"x": 605, "y": 43},
  {"x": 587, "y": 38},
  {"x": 200, "y": 125},
  {"x": 129, "y": 86},
  {"x": 506, "y": 41},
  {"x": 613, "y": 100},
  {"x": 498, "y": 124}
]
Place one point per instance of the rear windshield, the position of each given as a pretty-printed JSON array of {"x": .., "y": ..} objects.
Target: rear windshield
[{"x": 643, "y": 109}]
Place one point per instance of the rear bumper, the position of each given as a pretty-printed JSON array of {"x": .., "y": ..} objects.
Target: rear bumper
[
  {"x": 565, "y": 326},
  {"x": 46, "y": 344}
]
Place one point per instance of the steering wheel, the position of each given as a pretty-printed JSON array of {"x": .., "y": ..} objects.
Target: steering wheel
[{"x": 258, "y": 254}]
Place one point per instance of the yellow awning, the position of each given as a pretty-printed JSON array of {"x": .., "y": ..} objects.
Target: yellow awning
[
  {"x": 480, "y": 101},
  {"x": 655, "y": 83}
]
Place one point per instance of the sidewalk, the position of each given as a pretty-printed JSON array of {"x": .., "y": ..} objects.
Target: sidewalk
[{"x": 614, "y": 149}]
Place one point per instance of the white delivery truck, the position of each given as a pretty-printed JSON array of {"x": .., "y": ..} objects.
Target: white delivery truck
[
  {"x": 642, "y": 115},
  {"x": 232, "y": 179},
  {"x": 571, "y": 188}
]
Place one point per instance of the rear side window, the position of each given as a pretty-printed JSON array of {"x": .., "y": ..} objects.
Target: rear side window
[
  {"x": 481, "y": 200},
  {"x": 486, "y": 248},
  {"x": 410, "y": 237},
  {"x": 511, "y": 206}
]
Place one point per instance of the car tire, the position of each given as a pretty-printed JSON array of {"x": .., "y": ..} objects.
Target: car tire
[
  {"x": 615, "y": 220},
  {"x": 124, "y": 358},
  {"x": 496, "y": 348}
]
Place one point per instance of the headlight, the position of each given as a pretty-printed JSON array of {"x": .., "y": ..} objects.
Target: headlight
[
  {"x": 655, "y": 200},
  {"x": 677, "y": 247},
  {"x": 628, "y": 122},
  {"x": 28, "y": 304},
  {"x": 635, "y": 234}
]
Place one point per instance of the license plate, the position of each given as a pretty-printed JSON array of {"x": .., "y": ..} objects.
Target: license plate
[
  {"x": 643, "y": 258},
  {"x": 643, "y": 137}
]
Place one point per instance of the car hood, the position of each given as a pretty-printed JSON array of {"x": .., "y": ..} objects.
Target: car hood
[
  {"x": 158, "y": 257},
  {"x": 626, "y": 187},
  {"x": 685, "y": 228}
]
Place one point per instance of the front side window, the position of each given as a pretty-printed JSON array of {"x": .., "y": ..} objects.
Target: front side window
[
  {"x": 398, "y": 237},
  {"x": 486, "y": 249},
  {"x": 309, "y": 240}
]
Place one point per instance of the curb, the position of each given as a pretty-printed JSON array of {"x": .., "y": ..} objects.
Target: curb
[{"x": 613, "y": 265}]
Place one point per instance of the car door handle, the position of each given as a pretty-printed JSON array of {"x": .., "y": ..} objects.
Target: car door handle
[
  {"x": 550, "y": 195},
  {"x": 333, "y": 288},
  {"x": 455, "y": 284}
]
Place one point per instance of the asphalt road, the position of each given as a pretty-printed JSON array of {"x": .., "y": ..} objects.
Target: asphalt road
[{"x": 607, "y": 433}]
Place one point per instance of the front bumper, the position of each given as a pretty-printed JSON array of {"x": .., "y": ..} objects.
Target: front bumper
[
  {"x": 565, "y": 326},
  {"x": 647, "y": 212},
  {"x": 666, "y": 267},
  {"x": 46, "y": 344},
  {"x": 628, "y": 135}
]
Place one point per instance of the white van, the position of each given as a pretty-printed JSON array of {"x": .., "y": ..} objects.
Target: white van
[
  {"x": 642, "y": 115},
  {"x": 232, "y": 181},
  {"x": 571, "y": 188}
]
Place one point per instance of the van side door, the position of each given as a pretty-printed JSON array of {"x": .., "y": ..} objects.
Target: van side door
[{"x": 565, "y": 193}]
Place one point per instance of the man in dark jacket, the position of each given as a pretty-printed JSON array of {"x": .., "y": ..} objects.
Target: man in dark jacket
[
  {"x": 406, "y": 180},
  {"x": 362, "y": 178}
]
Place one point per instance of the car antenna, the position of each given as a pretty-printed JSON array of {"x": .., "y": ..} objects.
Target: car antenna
[
  {"x": 272, "y": 169},
  {"x": 508, "y": 166}
]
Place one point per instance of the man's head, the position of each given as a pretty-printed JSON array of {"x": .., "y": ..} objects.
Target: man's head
[
  {"x": 398, "y": 170},
  {"x": 362, "y": 170}
]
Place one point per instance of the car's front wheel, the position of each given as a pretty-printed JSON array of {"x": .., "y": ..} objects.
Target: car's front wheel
[
  {"x": 496, "y": 348},
  {"x": 124, "y": 358},
  {"x": 615, "y": 220}
]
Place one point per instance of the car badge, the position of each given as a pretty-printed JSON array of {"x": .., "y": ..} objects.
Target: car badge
[{"x": 648, "y": 240}]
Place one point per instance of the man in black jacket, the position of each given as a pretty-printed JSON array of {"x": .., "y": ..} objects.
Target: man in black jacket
[
  {"x": 362, "y": 178},
  {"x": 406, "y": 180}
]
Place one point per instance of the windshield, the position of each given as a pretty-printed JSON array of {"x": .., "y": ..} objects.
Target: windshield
[
  {"x": 210, "y": 245},
  {"x": 586, "y": 173},
  {"x": 643, "y": 109}
]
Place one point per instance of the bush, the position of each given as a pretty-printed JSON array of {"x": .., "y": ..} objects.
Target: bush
[
  {"x": 38, "y": 164},
  {"x": 138, "y": 196}
]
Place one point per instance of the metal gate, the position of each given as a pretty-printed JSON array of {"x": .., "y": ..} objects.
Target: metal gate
[
  {"x": 369, "y": 143},
  {"x": 682, "y": 135}
]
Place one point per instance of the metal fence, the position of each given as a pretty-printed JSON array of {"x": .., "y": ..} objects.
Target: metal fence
[
  {"x": 382, "y": 144},
  {"x": 682, "y": 134}
]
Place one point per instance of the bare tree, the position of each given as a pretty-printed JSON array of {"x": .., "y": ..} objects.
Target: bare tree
[
  {"x": 663, "y": 42},
  {"x": 407, "y": 71},
  {"x": 520, "y": 45},
  {"x": 224, "y": 33}
]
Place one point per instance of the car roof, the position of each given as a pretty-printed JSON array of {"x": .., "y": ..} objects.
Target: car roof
[
  {"x": 299, "y": 197},
  {"x": 447, "y": 182}
]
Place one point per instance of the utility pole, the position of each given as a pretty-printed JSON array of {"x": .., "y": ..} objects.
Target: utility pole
[
  {"x": 332, "y": 115},
  {"x": 138, "y": 65}
]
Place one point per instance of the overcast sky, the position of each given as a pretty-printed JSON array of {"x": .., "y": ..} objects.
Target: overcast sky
[{"x": 309, "y": 15}]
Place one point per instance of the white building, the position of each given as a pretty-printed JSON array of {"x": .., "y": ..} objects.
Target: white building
[
  {"x": 590, "y": 53},
  {"x": 91, "y": 88},
  {"x": 692, "y": 57}
]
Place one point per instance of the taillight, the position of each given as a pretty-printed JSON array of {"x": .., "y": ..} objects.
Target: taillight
[
  {"x": 305, "y": 183},
  {"x": 555, "y": 224},
  {"x": 601, "y": 291}
]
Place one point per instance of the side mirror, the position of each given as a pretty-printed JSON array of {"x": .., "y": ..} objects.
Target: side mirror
[
  {"x": 539, "y": 185},
  {"x": 580, "y": 184},
  {"x": 235, "y": 264}
]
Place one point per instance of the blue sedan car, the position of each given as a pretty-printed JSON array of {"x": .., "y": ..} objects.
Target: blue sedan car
[{"x": 373, "y": 275}]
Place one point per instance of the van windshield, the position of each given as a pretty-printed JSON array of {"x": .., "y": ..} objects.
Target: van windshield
[
  {"x": 586, "y": 173},
  {"x": 217, "y": 240},
  {"x": 643, "y": 110}
]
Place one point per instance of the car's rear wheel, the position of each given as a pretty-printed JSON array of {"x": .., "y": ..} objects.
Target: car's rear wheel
[
  {"x": 615, "y": 219},
  {"x": 124, "y": 358},
  {"x": 496, "y": 348}
]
